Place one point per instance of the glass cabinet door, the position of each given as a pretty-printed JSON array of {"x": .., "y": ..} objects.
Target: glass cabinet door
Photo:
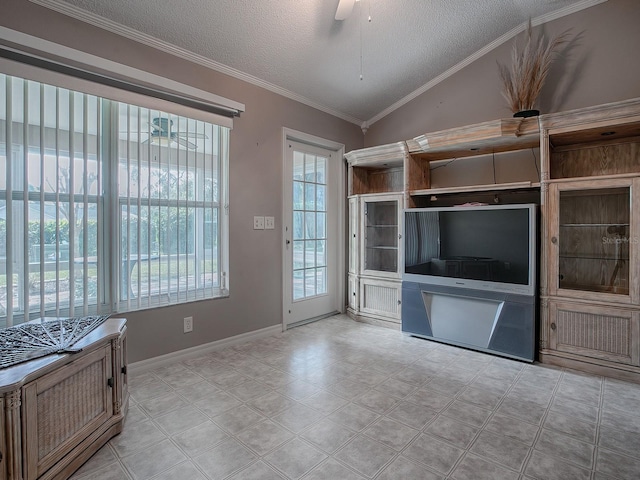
[
  {"x": 594, "y": 240},
  {"x": 380, "y": 229}
]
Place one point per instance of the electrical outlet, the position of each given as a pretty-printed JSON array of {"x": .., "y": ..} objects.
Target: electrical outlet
[
  {"x": 188, "y": 324},
  {"x": 258, "y": 223},
  {"x": 269, "y": 223}
]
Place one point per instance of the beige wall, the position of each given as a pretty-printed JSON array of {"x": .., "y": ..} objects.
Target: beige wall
[
  {"x": 255, "y": 183},
  {"x": 600, "y": 65}
]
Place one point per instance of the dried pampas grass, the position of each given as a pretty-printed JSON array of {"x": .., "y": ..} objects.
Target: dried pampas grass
[{"x": 523, "y": 81}]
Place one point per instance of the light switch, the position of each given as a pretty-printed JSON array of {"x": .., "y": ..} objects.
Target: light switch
[
  {"x": 269, "y": 223},
  {"x": 258, "y": 223}
]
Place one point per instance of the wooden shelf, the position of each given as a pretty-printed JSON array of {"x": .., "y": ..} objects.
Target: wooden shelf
[
  {"x": 495, "y": 136},
  {"x": 586, "y": 125},
  {"x": 474, "y": 188},
  {"x": 594, "y": 225},
  {"x": 595, "y": 288},
  {"x": 586, "y": 256}
]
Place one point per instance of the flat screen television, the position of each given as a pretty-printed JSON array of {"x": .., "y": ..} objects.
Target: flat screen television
[{"x": 483, "y": 247}]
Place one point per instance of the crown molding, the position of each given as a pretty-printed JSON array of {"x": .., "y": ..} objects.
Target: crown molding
[
  {"x": 124, "y": 31},
  {"x": 127, "y": 32},
  {"x": 378, "y": 155},
  {"x": 576, "y": 7}
]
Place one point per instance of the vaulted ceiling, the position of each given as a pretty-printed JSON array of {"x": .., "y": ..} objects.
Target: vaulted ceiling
[{"x": 356, "y": 69}]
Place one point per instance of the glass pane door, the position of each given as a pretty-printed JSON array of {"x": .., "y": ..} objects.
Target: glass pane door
[
  {"x": 594, "y": 239},
  {"x": 312, "y": 269},
  {"x": 309, "y": 225}
]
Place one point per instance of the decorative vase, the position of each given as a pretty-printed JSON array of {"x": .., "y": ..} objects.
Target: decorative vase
[{"x": 527, "y": 113}]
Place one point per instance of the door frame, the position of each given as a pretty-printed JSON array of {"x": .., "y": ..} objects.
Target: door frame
[{"x": 289, "y": 134}]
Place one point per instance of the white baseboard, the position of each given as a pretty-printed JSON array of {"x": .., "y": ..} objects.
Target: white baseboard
[{"x": 180, "y": 355}]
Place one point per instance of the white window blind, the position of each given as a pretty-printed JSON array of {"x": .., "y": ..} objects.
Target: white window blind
[
  {"x": 105, "y": 206},
  {"x": 169, "y": 187}
]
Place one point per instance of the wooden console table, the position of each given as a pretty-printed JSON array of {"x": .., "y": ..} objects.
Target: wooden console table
[{"x": 57, "y": 411}]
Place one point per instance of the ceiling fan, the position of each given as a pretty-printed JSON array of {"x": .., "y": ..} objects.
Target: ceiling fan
[
  {"x": 161, "y": 134},
  {"x": 344, "y": 9}
]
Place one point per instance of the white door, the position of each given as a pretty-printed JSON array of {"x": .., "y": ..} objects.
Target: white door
[{"x": 311, "y": 199}]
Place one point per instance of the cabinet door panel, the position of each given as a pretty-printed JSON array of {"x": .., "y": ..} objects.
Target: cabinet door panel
[
  {"x": 592, "y": 240},
  {"x": 380, "y": 235},
  {"x": 380, "y": 297},
  {"x": 595, "y": 331},
  {"x": 353, "y": 293},
  {"x": 64, "y": 407}
]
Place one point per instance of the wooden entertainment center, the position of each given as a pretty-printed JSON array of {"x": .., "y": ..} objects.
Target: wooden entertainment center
[
  {"x": 581, "y": 166},
  {"x": 58, "y": 410}
]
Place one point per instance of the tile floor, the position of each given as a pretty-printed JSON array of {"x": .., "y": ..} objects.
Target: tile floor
[{"x": 340, "y": 400}]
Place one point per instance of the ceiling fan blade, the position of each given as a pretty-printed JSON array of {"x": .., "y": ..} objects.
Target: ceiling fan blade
[
  {"x": 344, "y": 9},
  {"x": 192, "y": 135},
  {"x": 185, "y": 143}
]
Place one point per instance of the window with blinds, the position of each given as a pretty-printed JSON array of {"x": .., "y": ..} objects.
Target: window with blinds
[{"x": 105, "y": 206}]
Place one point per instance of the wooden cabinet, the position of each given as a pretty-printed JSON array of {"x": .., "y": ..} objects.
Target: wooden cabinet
[
  {"x": 374, "y": 257},
  {"x": 60, "y": 409},
  {"x": 590, "y": 292},
  {"x": 581, "y": 166},
  {"x": 376, "y": 188}
]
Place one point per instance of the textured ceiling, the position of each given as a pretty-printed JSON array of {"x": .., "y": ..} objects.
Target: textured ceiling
[{"x": 297, "y": 47}]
